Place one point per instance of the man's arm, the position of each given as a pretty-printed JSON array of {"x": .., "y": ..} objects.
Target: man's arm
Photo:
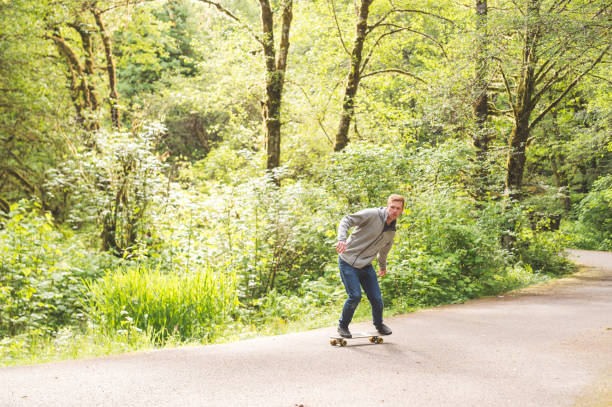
[
  {"x": 346, "y": 223},
  {"x": 382, "y": 258},
  {"x": 354, "y": 219}
]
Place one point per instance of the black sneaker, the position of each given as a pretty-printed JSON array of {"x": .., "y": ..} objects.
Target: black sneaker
[
  {"x": 344, "y": 332},
  {"x": 384, "y": 330}
]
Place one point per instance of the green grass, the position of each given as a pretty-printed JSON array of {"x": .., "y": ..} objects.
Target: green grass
[
  {"x": 185, "y": 305},
  {"x": 70, "y": 343}
]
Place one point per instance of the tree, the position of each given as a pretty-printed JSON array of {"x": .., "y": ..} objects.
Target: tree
[
  {"x": 570, "y": 145},
  {"x": 111, "y": 71},
  {"x": 32, "y": 113},
  {"x": 275, "y": 68},
  {"x": 83, "y": 90},
  {"x": 481, "y": 108},
  {"x": 481, "y": 135},
  {"x": 557, "y": 44},
  {"x": 354, "y": 76},
  {"x": 359, "y": 63},
  {"x": 80, "y": 60}
]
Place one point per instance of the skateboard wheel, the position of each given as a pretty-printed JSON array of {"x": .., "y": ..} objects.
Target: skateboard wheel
[
  {"x": 342, "y": 342},
  {"x": 372, "y": 339},
  {"x": 380, "y": 340},
  {"x": 333, "y": 342}
]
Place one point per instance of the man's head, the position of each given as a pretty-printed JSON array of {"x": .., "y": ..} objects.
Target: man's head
[{"x": 395, "y": 207}]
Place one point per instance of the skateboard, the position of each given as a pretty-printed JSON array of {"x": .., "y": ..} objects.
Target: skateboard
[{"x": 373, "y": 337}]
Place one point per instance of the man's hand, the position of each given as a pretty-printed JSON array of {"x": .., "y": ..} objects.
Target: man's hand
[
  {"x": 381, "y": 273},
  {"x": 341, "y": 246}
]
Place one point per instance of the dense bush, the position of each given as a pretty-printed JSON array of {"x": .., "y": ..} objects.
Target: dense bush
[
  {"x": 118, "y": 187},
  {"x": 362, "y": 175},
  {"x": 544, "y": 251},
  {"x": 42, "y": 273},
  {"x": 592, "y": 229},
  {"x": 444, "y": 252}
]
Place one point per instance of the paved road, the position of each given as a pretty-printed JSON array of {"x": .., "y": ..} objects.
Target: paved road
[{"x": 549, "y": 345}]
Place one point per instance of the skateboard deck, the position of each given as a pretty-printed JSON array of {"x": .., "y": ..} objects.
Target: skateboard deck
[{"x": 373, "y": 337}]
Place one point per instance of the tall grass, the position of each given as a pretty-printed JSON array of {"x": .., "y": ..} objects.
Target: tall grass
[{"x": 183, "y": 305}]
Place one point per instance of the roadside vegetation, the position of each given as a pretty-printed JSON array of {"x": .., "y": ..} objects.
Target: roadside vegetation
[{"x": 162, "y": 185}]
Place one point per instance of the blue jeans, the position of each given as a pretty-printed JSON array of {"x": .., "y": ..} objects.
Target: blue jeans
[{"x": 353, "y": 279}]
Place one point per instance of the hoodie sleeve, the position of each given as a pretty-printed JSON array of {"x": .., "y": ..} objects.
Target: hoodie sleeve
[
  {"x": 349, "y": 221},
  {"x": 382, "y": 255}
]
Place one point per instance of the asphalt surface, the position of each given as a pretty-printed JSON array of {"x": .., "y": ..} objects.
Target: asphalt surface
[{"x": 548, "y": 345}]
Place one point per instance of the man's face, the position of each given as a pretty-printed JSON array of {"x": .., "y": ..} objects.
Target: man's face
[{"x": 394, "y": 209}]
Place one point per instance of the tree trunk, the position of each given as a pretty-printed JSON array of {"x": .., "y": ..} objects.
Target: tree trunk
[
  {"x": 516, "y": 156},
  {"x": 481, "y": 108},
  {"x": 74, "y": 95},
  {"x": 524, "y": 103},
  {"x": 481, "y": 136},
  {"x": 113, "y": 97},
  {"x": 81, "y": 96},
  {"x": 275, "y": 78},
  {"x": 109, "y": 227},
  {"x": 561, "y": 180},
  {"x": 4, "y": 206},
  {"x": 556, "y": 163},
  {"x": 89, "y": 67},
  {"x": 348, "y": 105},
  {"x": 525, "y": 100}
]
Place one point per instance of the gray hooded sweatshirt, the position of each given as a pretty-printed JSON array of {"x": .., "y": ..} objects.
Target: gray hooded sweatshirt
[{"x": 370, "y": 237}]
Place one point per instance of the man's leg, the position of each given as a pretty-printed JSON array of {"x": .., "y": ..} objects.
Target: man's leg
[
  {"x": 369, "y": 281},
  {"x": 350, "y": 279}
]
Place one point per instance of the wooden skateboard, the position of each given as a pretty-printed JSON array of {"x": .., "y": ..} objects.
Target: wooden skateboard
[{"x": 373, "y": 337}]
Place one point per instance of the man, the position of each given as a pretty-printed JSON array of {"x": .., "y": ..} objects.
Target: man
[{"x": 372, "y": 236}]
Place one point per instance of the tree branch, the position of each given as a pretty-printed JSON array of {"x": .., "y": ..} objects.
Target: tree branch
[
  {"x": 601, "y": 78},
  {"x": 283, "y": 46},
  {"x": 570, "y": 87},
  {"x": 127, "y": 3},
  {"x": 555, "y": 78},
  {"x": 508, "y": 91},
  {"x": 233, "y": 17},
  {"x": 560, "y": 3},
  {"x": 397, "y": 28},
  {"x": 367, "y": 58},
  {"x": 18, "y": 176},
  {"x": 518, "y": 8},
  {"x": 549, "y": 64},
  {"x": 390, "y": 12},
  {"x": 317, "y": 116},
  {"x": 494, "y": 111},
  {"x": 333, "y": 10},
  {"x": 603, "y": 10}
]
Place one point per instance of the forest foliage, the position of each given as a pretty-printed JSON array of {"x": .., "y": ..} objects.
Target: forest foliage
[{"x": 174, "y": 171}]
